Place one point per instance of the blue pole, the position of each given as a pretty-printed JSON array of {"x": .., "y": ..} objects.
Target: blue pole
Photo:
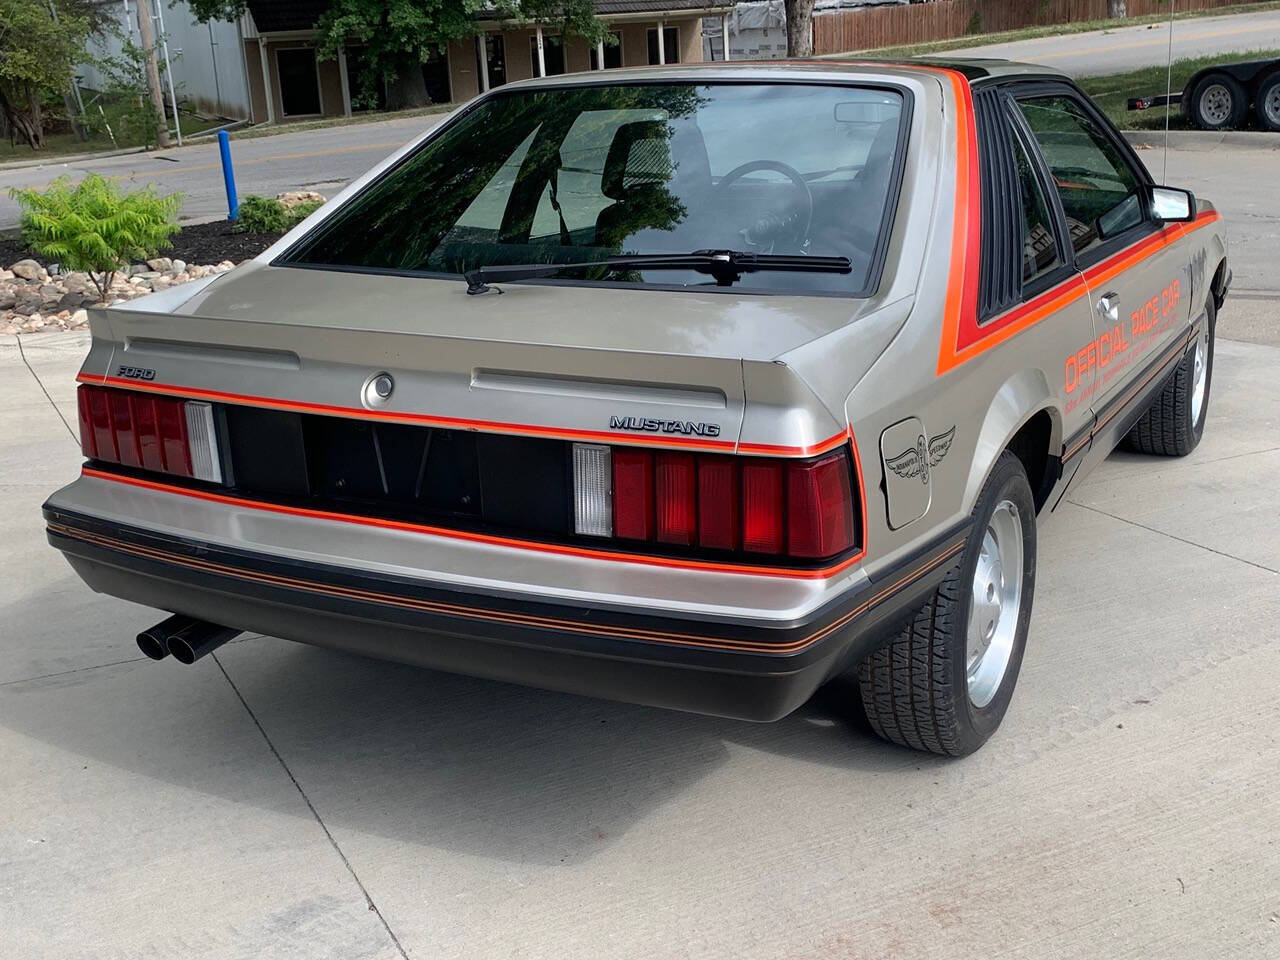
[{"x": 228, "y": 176}]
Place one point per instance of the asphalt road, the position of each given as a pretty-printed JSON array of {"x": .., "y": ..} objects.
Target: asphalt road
[
  {"x": 276, "y": 800},
  {"x": 324, "y": 160},
  {"x": 1120, "y": 49}
]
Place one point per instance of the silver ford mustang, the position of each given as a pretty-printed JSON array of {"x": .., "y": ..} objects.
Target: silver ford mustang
[{"x": 692, "y": 387}]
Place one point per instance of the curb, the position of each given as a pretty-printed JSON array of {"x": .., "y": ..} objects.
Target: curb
[
  {"x": 1204, "y": 141},
  {"x": 66, "y": 159}
]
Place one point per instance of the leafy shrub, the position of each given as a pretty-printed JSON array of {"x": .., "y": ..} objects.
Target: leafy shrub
[
  {"x": 262, "y": 215},
  {"x": 301, "y": 211},
  {"x": 95, "y": 227},
  {"x": 268, "y": 215}
]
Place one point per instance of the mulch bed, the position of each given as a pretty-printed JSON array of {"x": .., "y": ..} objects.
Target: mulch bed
[{"x": 202, "y": 243}]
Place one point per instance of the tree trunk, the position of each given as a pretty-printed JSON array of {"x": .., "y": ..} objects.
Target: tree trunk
[
  {"x": 799, "y": 27},
  {"x": 19, "y": 124},
  {"x": 153, "y": 72},
  {"x": 35, "y": 134},
  {"x": 408, "y": 88},
  {"x": 1116, "y": 9},
  {"x": 73, "y": 115}
]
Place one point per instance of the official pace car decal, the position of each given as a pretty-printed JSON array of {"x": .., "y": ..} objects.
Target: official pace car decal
[{"x": 918, "y": 461}]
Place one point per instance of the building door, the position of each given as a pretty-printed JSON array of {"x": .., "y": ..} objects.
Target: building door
[
  {"x": 299, "y": 84},
  {"x": 670, "y": 45},
  {"x": 435, "y": 74},
  {"x": 495, "y": 59},
  {"x": 612, "y": 54}
]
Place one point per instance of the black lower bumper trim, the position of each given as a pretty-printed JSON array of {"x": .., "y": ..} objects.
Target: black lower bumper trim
[{"x": 757, "y": 672}]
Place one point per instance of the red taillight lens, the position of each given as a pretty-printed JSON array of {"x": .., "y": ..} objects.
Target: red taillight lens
[
  {"x": 762, "y": 507},
  {"x": 719, "y": 526},
  {"x": 153, "y": 433},
  {"x": 677, "y": 499},
  {"x": 819, "y": 507},
  {"x": 633, "y": 494},
  {"x": 803, "y": 509}
]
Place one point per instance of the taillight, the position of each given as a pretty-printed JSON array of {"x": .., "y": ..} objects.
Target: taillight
[
  {"x": 802, "y": 509},
  {"x": 161, "y": 434}
]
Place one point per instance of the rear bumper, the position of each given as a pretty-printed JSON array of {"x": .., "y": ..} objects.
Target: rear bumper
[{"x": 752, "y": 672}]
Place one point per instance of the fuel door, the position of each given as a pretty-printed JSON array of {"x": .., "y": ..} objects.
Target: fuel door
[{"x": 904, "y": 454}]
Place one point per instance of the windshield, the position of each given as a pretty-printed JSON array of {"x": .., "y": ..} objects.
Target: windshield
[{"x": 582, "y": 173}]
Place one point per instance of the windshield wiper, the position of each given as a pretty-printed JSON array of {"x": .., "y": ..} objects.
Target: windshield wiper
[{"x": 726, "y": 266}]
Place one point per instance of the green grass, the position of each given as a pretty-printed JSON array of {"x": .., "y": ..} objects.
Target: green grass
[
  {"x": 58, "y": 145},
  {"x": 1113, "y": 91},
  {"x": 373, "y": 116},
  {"x": 1054, "y": 30}
]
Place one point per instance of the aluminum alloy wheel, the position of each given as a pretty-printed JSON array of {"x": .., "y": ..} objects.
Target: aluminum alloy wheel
[
  {"x": 1216, "y": 103},
  {"x": 1271, "y": 106},
  {"x": 1199, "y": 380},
  {"x": 996, "y": 604}
]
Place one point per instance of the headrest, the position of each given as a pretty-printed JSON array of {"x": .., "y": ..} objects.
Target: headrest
[{"x": 639, "y": 156}]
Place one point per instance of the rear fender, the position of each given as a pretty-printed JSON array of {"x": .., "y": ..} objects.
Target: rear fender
[{"x": 1016, "y": 401}]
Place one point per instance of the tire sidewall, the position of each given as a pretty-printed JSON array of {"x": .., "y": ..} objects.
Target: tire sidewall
[
  {"x": 1264, "y": 88},
  {"x": 1211, "y": 321},
  {"x": 1008, "y": 481},
  {"x": 1239, "y": 103}
]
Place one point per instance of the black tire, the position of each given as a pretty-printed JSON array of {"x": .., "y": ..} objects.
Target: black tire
[
  {"x": 1170, "y": 427},
  {"x": 914, "y": 689},
  {"x": 1219, "y": 102},
  {"x": 1268, "y": 103}
]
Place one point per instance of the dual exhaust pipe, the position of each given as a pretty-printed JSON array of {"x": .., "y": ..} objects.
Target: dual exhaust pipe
[{"x": 186, "y": 639}]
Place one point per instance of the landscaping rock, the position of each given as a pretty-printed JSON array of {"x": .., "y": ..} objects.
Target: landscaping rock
[
  {"x": 293, "y": 198},
  {"x": 29, "y": 270},
  {"x": 160, "y": 264},
  {"x": 177, "y": 266}
]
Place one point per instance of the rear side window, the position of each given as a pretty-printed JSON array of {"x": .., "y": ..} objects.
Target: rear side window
[
  {"x": 1099, "y": 188},
  {"x": 1039, "y": 247}
]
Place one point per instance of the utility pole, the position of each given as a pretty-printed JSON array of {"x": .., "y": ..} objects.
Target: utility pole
[{"x": 148, "y": 37}]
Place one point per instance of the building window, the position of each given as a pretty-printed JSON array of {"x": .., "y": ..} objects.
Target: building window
[
  {"x": 670, "y": 44},
  {"x": 552, "y": 55},
  {"x": 299, "y": 84},
  {"x": 612, "y": 54}
]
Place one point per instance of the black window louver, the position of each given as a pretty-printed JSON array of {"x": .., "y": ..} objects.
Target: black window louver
[{"x": 1000, "y": 285}]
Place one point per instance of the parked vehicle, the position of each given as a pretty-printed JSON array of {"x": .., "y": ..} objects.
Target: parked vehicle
[
  {"x": 694, "y": 387},
  {"x": 1226, "y": 96}
]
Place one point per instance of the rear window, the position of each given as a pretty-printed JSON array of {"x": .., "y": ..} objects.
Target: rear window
[{"x": 579, "y": 173}]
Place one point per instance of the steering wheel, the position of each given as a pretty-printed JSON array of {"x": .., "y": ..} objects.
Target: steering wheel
[{"x": 800, "y": 231}]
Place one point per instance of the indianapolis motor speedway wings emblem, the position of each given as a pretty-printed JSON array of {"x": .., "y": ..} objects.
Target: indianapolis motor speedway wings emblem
[{"x": 917, "y": 462}]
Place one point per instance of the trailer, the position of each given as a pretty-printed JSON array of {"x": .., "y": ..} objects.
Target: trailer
[{"x": 1221, "y": 96}]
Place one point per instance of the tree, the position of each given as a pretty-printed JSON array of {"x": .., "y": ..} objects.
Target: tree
[
  {"x": 38, "y": 56},
  {"x": 399, "y": 36},
  {"x": 799, "y": 27},
  {"x": 147, "y": 34}
]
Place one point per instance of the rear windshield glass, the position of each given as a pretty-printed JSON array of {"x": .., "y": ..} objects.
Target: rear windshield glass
[{"x": 578, "y": 173}]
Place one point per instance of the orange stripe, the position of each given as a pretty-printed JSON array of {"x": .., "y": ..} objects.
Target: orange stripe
[
  {"x": 511, "y": 617},
  {"x": 472, "y": 537}
]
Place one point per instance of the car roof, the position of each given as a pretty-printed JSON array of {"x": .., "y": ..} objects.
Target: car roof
[{"x": 974, "y": 68}]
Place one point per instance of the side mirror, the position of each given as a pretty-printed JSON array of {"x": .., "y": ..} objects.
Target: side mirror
[{"x": 1172, "y": 205}]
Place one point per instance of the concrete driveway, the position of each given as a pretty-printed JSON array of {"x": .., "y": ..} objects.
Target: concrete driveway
[
  {"x": 276, "y": 800},
  {"x": 1119, "y": 49}
]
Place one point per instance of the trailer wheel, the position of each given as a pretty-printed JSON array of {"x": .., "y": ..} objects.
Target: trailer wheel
[
  {"x": 1269, "y": 103},
  {"x": 1219, "y": 103}
]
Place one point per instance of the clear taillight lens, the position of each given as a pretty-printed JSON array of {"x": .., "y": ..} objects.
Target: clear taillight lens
[
  {"x": 161, "y": 434},
  {"x": 592, "y": 490}
]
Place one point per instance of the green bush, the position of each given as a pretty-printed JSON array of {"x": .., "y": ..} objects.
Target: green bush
[
  {"x": 95, "y": 227},
  {"x": 268, "y": 215},
  {"x": 262, "y": 215},
  {"x": 301, "y": 211}
]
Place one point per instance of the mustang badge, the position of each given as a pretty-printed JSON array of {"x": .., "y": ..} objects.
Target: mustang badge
[{"x": 916, "y": 462}]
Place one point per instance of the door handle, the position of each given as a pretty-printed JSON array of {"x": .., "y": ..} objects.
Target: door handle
[{"x": 1109, "y": 307}]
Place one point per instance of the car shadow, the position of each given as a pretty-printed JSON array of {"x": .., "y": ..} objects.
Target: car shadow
[{"x": 413, "y": 755}]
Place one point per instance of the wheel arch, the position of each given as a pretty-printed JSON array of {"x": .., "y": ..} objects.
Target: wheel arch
[{"x": 1023, "y": 417}]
